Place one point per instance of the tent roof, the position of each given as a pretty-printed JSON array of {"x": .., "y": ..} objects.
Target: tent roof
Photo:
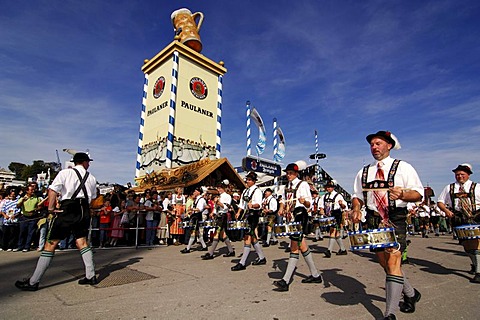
[{"x": 190, "y": 175}]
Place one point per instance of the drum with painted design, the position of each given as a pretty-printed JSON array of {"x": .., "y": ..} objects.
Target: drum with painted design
[
  {"x": 373, "y": 239},
  {"x": 468, "y": 232},
  {"x": 288, "y": 229},
  {"x": 238, "y": 225}
]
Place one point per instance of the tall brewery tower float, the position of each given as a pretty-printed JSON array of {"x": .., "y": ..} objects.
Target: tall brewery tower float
[{"x": 182, "y": 103}]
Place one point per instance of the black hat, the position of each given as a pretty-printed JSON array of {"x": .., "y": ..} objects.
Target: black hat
[
  {"x": 251, "y": 175},
  {"x": 291, "y": 167},
  {"x": 269, "y": 190},
  {"x": 465, "y": 167},
  {"x": 329, "y": 184},
  {"x": 81, "y": 157},
  {"x": 314, "y": 192},
  {"x": 385, "y": 135}
]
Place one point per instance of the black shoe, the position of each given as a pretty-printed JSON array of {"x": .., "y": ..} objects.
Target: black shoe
[
  {"x": 314, "y": 239},
  {"x": 312, "y": 279},
  {"x": 238, "y": 267},
  {"x": 342, "y": 253},
  {"x": 476, "y": 278},
  {"x": 390, "y": 317},
  {"x": 472, "y": 269},
  {"x": 274, "y": 242},
  {"x": 230, "y": 254},
  {"x": 92, "y": 281},
  {"x": 266, "y": 245},
  {"x": 408, "y": 305},
  {"x": 26, "y": 286},
  {"x": 259, "y": 261},
  {"x": 207, "y": 256},
  {"x": 185, "y": 250},
  {"x": 327, "y": 254},
  {"x": 204, "y": 249},
  {"x": 281, "y": 285},
  {"x": 288, "y": 249}
]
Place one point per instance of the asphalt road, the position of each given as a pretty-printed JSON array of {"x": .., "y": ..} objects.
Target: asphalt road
[{"x": 162, "y": 283}]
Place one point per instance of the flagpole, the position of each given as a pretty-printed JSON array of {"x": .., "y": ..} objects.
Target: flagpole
[
  {"x": 317, "y": 169},
  {"x": 275, "y": 149},
  {"x": 249, "y": 141}
]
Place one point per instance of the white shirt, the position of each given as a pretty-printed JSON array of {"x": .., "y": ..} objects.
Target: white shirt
[
  {"x": 303, "y": 191},
  {"x": 226, "y": 200},
  {"x": 445, "y": 195},
  {"x": 66, "y": 182},
  {"x": 331, "y": 196},
  {"x": 271, "y": 203},
  {"x": 423, "y": 211},
  {"x": 256, "y": 196},
  {"x": 406, "y": 177}
]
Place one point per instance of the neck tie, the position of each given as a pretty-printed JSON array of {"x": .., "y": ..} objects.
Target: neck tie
[
  {"x": 328, "y": 205},
  {"x": 381, "y": 200},
  {"x": 465, "y": 203}
]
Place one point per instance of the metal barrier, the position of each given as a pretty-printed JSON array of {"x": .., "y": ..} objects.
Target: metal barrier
[{"x": 137, "y": 228}]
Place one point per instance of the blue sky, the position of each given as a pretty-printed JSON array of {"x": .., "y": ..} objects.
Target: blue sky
[{"x": 70, "y": 78}]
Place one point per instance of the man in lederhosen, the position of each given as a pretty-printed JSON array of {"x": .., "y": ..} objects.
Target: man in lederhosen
[
  {"x": 250, "y": 207},
  {"x": 269, "y": 210},
  {"x": 298, "y": 197},
  {"x": 385, "y": 187},
  {"x": 77, "y": 187},
  {"x": 461, "y": 202},
  {"x": 315, "y": 215},
  {"x": 222, "y": 204},
  {"x": 332, "y": 204},
  {"x": 199, "y": 210}
]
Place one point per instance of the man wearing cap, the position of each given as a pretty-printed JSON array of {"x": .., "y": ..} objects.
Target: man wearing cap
[
  {"x": 250, "y": 207},
  {"x": 315, "y": 212},
  {"x": 296, "y": 201},
  {"x": 332, "y": 204},
  {"x": 269, "y": 210},
  {"x": 77, "y": 187},
  {"x": 199, "y": 209},
  {"x": 385, "y": 187},
  {"x": 461, "y": 202},
  {"x": 222, "y": 203}
]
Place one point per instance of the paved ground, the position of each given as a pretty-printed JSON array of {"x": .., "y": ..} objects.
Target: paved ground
[{"x": 161, "y": 283}]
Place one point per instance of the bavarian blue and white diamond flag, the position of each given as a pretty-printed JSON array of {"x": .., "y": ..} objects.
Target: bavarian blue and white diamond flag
[
  {"x": 262, "y": 136},
  {"x": 280, "y": 154}
]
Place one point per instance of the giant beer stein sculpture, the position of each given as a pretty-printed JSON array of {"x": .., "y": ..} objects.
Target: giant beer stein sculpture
[{"x": 187, "y": 29}]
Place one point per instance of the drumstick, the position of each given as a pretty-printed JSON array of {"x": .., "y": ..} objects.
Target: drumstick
[{"x": 383, "y": 189}]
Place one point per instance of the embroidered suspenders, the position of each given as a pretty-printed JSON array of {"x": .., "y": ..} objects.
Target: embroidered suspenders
[{"x": 378, "y": 184}]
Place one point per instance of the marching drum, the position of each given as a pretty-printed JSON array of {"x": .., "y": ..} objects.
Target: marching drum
[
  {"x": 238, "y": 225},
  {"x": 208, "y": 224},
  {"x": 187, "y": 224},
  {"x": 468, "y": 232},
  {"x": 326, "y": 222},
  {"x": 373, "y": 239},
  {"x": 288, "y": 229}
]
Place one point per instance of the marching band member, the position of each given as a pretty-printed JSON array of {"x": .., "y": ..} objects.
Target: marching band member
[
  {"x": 250, "y": 205},
  {"x": 222, "y": 203},
  {"x": 423, "y": 213},
  {"x": 296, "y": 201},
  {"x": 385, "y": 187},
  {"x": 461, "y": 202},
  {"x": 315, "y": 214},
  {"x": 332, "y": 204},
  {"x": 199, "y": 209},
  {"x": 269, "y": 210}
]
